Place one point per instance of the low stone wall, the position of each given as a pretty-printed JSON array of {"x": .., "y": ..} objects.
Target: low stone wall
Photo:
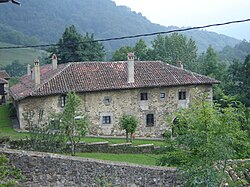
[
  {"x": 43, "y": 169},
  {"x": 97, "y": 147}
]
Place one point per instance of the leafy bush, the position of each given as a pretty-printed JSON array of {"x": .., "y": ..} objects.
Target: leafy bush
[{"x": 9, "y": 175}]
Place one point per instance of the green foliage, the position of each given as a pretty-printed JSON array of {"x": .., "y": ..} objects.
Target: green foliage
[
  {"x": 73, "y": 47},
  {"x": 121, "y": 54},
  {"x": 43, "y": 137},
  {"x": 73, "y": 122},
  {"x": 9, "y": 35},
  {"x": 173, "y": 48},
  {"x": 129, "y": 124},
  {"x": 208, "y": 136},
  {"x": 9, "y": 175},
  {"x": 16, "y": 69},
  {"x": 239, "y": 52}
]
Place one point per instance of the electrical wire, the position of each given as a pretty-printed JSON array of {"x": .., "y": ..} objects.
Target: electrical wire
[{"x": 130, "y": 36}]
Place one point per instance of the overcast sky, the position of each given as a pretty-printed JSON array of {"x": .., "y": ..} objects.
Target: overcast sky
[{"x": 196, "y": 13}]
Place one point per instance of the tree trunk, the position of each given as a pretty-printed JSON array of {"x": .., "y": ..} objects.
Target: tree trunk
[{"x": 127, "y": 136}]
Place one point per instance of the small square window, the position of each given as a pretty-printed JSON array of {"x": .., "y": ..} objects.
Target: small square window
[
  {"x": 107, "y": 100},
  {"x": 182, "y": 95},
  {"x": 144, "y": 96},
  {"x": 106, "y": 119},
  {"x": 162, "y": 95},
  {"x": 150, "y": 120}
]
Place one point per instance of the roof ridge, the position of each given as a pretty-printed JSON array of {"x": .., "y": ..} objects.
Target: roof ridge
[{"x": 52, "y": 77}]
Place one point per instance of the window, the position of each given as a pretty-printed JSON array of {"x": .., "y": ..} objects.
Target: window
[
  {"x": 162, "y": 95},
  {"x": 144, "y": 96},
  {"x": 106, "y": 119},
  {"x": 107, "y": 100},
  {"x": 150, "y": 120},
  {"x": 63, "y": 100},
  {"x": 182, "y": 95}
]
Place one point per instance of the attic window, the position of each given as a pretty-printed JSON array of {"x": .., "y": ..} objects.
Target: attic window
[
  {"x": 63, "y": 100},
  {"x": 162, "y": 95},
  {"x": 107, "y": 100}
]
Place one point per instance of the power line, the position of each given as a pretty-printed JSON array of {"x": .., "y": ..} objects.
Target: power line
[{"x": 130, "y": 36}]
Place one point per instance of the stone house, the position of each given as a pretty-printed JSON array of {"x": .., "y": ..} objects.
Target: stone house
[
  {"x": 4, "y": 77},
  {"x": 148, "y": 90}
]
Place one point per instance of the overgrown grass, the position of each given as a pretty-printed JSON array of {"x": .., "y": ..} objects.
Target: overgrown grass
[
  {"x": 6, "y": 126},
  {"x": 142, "y": 159}
]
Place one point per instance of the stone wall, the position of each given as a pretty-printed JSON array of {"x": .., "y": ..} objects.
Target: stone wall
[
  {"x": 43, "y": 169},
  {"x": 115, "y": 103}
]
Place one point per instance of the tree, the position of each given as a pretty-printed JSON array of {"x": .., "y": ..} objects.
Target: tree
[
  {"x": 73, "y": 122},
  {"x": 140, "y": 50},
  {"x": 16, "y": 69},
  {"x": 121, "y": 54},
  {"x": 73, "y": 47},
  {"x": 179, "y": 48},
  {"x": 209, "y": 136},
  {"x": 173, "y": 48},
  {"x": 210, "y": 62},
  {"x": 129, "y": 124},
  {"x": 238, "y": 80}
]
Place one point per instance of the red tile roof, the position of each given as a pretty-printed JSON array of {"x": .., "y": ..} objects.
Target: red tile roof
[
  {"x": 3, "y": 81},
  {"x": 97, "y": 76},
  {"x": 4, "y": 74}
]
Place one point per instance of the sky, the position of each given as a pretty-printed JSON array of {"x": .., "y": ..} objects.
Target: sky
[{"x": 185, "y": 13}]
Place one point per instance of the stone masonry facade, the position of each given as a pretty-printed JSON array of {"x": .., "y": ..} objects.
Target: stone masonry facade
[
  {"x": 104, "y": 108},
  {"x": 43, "y": 169}
]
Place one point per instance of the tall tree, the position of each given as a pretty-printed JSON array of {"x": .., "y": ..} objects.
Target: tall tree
[
  {"x": 73, "y": 47},
  {"x": 210, "y": 62},
  {"x": 173, "y": 48},
  {"x": 74, "y": 122},
  {"x": 140, "y": 50},
  {"x": 179, "y": 48}
]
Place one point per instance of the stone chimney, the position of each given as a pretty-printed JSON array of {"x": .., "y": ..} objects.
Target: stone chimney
[
  {"x": 179, "y": 64},
  {"x": 54, "y": 61},
  {"x": 28, "y": 69},
  {"x": 37, "y": 72},
  {"x": 131, "y": 68}
]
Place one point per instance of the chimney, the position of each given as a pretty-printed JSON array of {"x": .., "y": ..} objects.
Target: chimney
[
  {"x": 37, "y": 72},
  {"x": 54, "y": 61},
  {"x": 179, "y": 64},
  {"x": 28, "y": 69},
  {"x": 131, "y": 67}
]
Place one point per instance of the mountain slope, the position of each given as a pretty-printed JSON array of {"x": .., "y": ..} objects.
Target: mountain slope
[
  {"x": 23, "y": 56},
  {"x": 47, "y": 20}
]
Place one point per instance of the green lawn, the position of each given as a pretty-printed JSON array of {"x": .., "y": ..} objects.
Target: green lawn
[
  {"x": 27, "y": 55},
  {"x": 143, "y": 159}
]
